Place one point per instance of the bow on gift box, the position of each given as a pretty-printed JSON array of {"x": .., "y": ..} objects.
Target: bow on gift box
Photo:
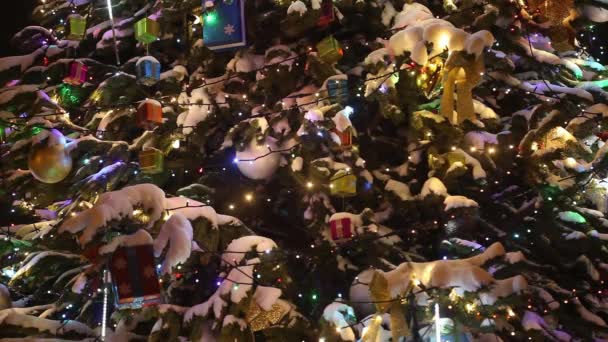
[{"x": 462, "y": 72}]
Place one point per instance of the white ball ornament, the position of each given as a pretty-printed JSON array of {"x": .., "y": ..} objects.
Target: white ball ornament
[
  {"x": 265, "y": 166},
  {"x": 359, "y": 294}
]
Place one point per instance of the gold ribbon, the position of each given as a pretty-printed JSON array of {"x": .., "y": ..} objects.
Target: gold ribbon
[
  {"x": 259, "y": 319},
  {"x": 461, "y": 74}
]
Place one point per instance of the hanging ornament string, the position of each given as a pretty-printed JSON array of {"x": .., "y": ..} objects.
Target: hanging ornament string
[{"x": 111, "y": 15}]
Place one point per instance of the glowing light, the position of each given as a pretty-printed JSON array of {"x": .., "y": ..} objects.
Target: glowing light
[
  {"x": 534, "y": 146},
  {"x": 571, "y": 162},
  {"x": 175, "y": 144},
  {"x": 443, "y": 41},
  {"x": 210, "y": 18},
  {"x": 8, "y": 272},
  {"x": 348, "y": 111}
]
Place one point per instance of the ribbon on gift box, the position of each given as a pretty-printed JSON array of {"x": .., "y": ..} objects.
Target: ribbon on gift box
[
  {"x": 462, "y": 72},
  {"x": 341, "y": 228}
]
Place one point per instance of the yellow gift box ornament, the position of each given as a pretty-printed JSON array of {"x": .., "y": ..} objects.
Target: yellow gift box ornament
[
  {"x": 343, "y": 184},
  {"x": 461, "y": 74},
  {"x": 151, "y": 161}
]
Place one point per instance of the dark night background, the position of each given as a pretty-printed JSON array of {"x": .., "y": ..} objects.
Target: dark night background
[{"x": 13, "y": 17}]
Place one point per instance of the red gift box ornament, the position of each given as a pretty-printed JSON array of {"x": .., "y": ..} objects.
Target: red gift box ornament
[
  {"x": 602, "y": 135},
  {"x": 346, "y": 137},
  {"x": 149, "y": 113},
  {"x": 134, "y": 277},
  {"x": 77, "y": 74},
  {"x": 344, "y": 129},
  {"x": 327, "y": 13},
  {"x": 341, "y": 229}
]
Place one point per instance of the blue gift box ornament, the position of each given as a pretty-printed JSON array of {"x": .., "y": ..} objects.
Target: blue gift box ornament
[
  {"x": 148, "y": 70},
  {"x": 224, "y": 26}
]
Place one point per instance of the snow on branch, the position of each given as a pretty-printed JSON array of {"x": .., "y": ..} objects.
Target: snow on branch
[
  {"x": 177, "y": 233},
  {"x": 116, "y": 205},
  {"x": 139, "y": 238},
  {"x": 464, "y": 275}
]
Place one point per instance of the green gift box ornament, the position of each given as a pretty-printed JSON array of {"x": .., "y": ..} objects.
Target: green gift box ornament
[
  {"x": 329, "y": 50},
  {"x": 77, "y": 26},
  {"x": 147, "y": 30},
  {"x": 151, "y": 161}
]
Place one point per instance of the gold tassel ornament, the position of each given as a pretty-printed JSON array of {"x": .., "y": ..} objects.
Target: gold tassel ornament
[{"x": 461, "y": 74}]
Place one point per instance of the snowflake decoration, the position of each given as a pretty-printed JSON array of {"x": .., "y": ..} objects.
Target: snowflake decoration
[{"x": 229, "y": 29}]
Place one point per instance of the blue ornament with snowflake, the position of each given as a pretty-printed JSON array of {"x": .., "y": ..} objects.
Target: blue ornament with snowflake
[{"x": 224, "y": 25}]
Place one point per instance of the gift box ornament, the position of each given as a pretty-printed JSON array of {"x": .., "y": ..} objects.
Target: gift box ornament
[
  {"x": 149, "y": 114},
  {"x": 341, "y": 229},
  {"x": 327, "y": 13},
  {"x": 345, "y": 136},
  {"x": 148, "y": 70},
  {"x": 151, "y": 161},
  {"x": 77, "y": 26},
  {"x": 77, "y": 74},
  {"x": 337, "y": 90},
  {"x": 329, "y": 50},
  {"x": 224, "y": 26},
  {"x": 343, "y": 184},
  {"x": 134, "y": 277},
  {"x": 147, "y": 30}
]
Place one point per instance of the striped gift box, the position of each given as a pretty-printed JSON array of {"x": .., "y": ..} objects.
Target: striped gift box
[{"x": 341, "y": 229}]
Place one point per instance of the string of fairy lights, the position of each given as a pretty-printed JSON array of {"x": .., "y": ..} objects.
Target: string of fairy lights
[
  {"x": 229, "y": 279},
  {"x": 254, "y": 281}
]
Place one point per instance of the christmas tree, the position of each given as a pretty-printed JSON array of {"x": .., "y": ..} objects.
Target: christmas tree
[{"x": 317, "y": 170}]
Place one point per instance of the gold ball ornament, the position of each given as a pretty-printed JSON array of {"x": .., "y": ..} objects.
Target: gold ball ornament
[{"x": 49, "y": 161}]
